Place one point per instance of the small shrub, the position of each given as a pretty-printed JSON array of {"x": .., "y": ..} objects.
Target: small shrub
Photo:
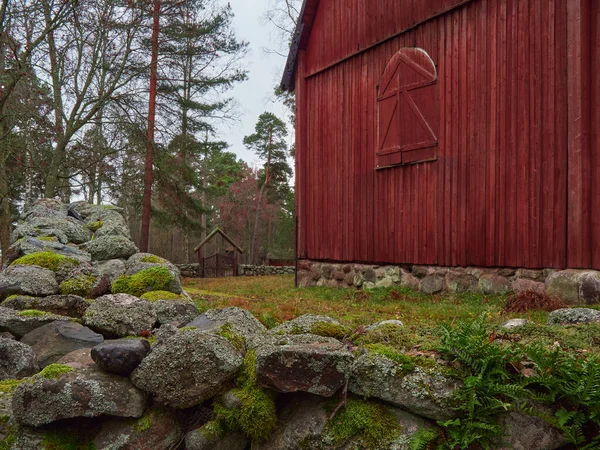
[
  {"x": 147, "y": 280},
  {"x": 47, "y": 260},
  {"x": 530, "y": 300},
  {"x": 81, "y": 285}
]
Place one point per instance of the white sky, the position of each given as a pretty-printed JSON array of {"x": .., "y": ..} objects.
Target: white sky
[{"x": 265, "y": 70}]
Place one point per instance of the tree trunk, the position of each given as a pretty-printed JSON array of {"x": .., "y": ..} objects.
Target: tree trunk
[
  {"x": 259, "y": 205},
  {"x": 149, "y": 163},
  {"x": 5, "y": 222}
]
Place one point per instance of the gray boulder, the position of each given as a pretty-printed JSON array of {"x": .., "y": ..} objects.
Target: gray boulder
[
  {"x": 120, "y": 315},
  {"x": 241, "y": 321},
  {"x": 121, "y": 356},
  {"x": 431, "y": 284},
  {"x": 79, "y": 393},
  {"x": 305, "y": 324},
  {"x": 524, "y": 432},
  {"x": 524, "y": 285},
  {"x": 187, "y": 368},
  {"x": 157, "y": 429},
  {"x": 142, "y": 261},
  {"x": 64, "y": 305},
  {"x": 423, "y": 391},
  {"x": 304, "y": 362},
  {"x": 305, "y": 421},
  {"x": 205, "y": 439},
  {"x": 575, "y": 287},
  {"x": 571, "y": 316},
  {"x": 19, "y": 323},
  {"x": 111, "y": 270},
  {"x": 513, "y": 324},
  {"x": 17, "y": 360},
  {"x": 494, "y": 284},
  {"x": 57, "y": 339},
  {"x": 27, "y": 280},
  {"x": 457, "y": 282},
  {"x": 110, "y": 247},
  {"x": 175, "y": 312},
  {"x": 75, "y": 231}
]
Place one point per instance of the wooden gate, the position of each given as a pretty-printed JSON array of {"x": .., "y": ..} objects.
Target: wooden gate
[{"x": 218, "y": 266}]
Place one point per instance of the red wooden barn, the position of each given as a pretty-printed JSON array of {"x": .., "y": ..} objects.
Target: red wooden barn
[{"x": 448, "y": 132}]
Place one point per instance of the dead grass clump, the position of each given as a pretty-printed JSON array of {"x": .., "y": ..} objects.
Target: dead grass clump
[{"x": 530, "y": 300}]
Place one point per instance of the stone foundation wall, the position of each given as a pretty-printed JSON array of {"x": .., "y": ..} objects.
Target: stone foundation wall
[
  {"x": 255, "y": 271},
  {"x": 571, "y": 286},
  {"x": 190, "y": 270}
]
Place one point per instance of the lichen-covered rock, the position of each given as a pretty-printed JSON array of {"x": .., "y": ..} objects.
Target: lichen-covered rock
[
  {"x": 384, "y": 323},
  {"x": 27, "y": 280},
  {"x": 514, "y": 323},
  {"x": 74, "y": 230},
  {"x": 143, "y": 261},
  {"x": 111, "y": 270},
  {"x": 78, "y": 359},
  {"x": 524, "y": 432},
  {"x": 120, "y": 315},
  {"x": 574, "y": 287},
  {"x": 431, "y": 284},
  {"x": 120, "y": 356},
  {"x": 524, "y": 285},
  {"x": 20, "y": 323},
  {"x": 110, "y": 247},
  {"x": 157, "y": 429},
  {"x": 17, "y": 360},
  {"x": 57, "y": 339},
  {"x": 241, "y": 321},
  {"x": 305, "y": 324},
  {"x": 305, "y": 424},
  {"x": 175, "y": 312},
  {"x": 85, "y": 281},
  {"x": 458, "y": 281},
  {"x": 494, "y": 284},
  {"x": 570, "y": 316},
  {"x": 78, "y": 393},
  {"x": 304, "y": 362},
  {"x": 157, "y": 278},
  {"x": 424, "y": 391},
  {"x": 206, "y": 439},
  {"x": 187, "y": 368},
  {"x": 64, "y": 305}
]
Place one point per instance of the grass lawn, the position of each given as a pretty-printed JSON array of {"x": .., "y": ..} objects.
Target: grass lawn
[{"x": 274, "y": 299}]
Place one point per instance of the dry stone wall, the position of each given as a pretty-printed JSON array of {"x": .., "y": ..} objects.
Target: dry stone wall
[
  {"x": 255, "y": 271},
  {"x": 571, "y": 286}
]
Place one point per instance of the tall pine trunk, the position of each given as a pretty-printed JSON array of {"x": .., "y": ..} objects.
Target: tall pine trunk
[
  {"x": 261, "y": 195},
  {"x": 149, "y": 163}
]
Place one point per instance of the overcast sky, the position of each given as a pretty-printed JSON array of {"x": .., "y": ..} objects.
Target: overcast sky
[{"x": 255, "y": 95}]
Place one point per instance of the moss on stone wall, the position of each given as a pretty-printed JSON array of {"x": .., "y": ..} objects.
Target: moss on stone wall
[
  {"x": 155, "y": 296},
  {"x": 147, "y": 280},
  {"x": 95, "y": 226},
  {"x": 47, "y": 260},
  {"x": 82, "y": 285}
]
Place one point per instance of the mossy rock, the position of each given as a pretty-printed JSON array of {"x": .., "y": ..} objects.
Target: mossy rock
[
  {"x": 147, "y": 280},
  {"x": 47, "y": 260},
  {"x": 153, "y": 259},
  {"x": 81, "y": 285},
  {"x": 95, "y": 226},
  {"x": 155, "y": 296}
]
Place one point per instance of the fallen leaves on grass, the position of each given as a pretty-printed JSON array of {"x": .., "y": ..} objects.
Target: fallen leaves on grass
[{"x": 530, "y": 300}]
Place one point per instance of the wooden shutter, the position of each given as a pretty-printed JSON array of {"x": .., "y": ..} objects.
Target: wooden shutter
[{"x": 408, "y": 113}]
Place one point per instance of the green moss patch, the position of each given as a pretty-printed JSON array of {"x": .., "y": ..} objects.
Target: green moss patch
[
  {"x": 47, "y": 238},
  {"x": 32, "y": 313},
  {"x": 81, "y": 285},
  {"x": 256, "y": 418},
  {"x": 64, "y": 440},
  {"x": 406, "y": 362},
  {"x": 7, "y": 386},
  {"x": 156, "y": 296},
  {"x": 153, "y": 259},
  {"x": 47, "y": 260},
  {"x": 54, "y": 371},
  {"x": 147, "y": 280},
  {"x": 370, "y": 424},
  {"x": 95, "y": 226},
  {"x": 8, "y": 442},
  {"x": 212, "y": 430},
  {"x": 237, "y": 340},
  {"x": 328, "y": 329}
]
